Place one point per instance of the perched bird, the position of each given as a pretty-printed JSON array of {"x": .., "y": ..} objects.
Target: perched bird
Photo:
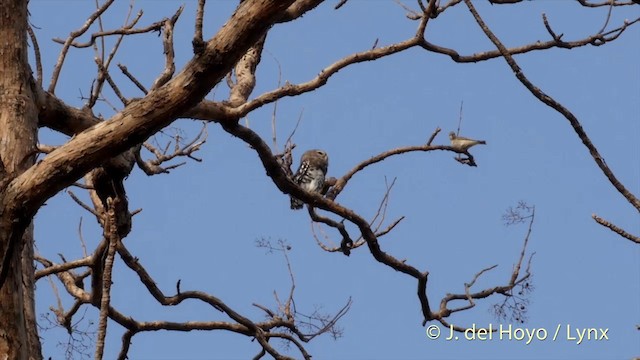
[
  {"x": 311, "y": 173},
  {"x": 463, "y": 143}
]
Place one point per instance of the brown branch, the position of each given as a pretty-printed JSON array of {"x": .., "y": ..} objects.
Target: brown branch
[
  {"x": 135, "y": 81},
  {"x": 198, "y": 42},
  {"x": 153, "y": 167},
  {"x": 616, "y": 229},
  {"x": 67, "y": 44},
  {"x": 284, "y": 183},
  {"x": 340, "y": 4},
  {"x": 82, "y": 243},
  {"x": 342, "y": 182},
  {"x": 606, "y": 21},
  {"x": 144, "y": 117},
  {"x": 103, "y": 65},
  {"x": 125, "y": 30},
  {"x": 293, "y": 340},
  {"x": 169, "y": 54},
  {"x": 111, "y": 233},
  {"x": 347, "y": 243},
  {"x": 126, "y": 343},
  {"x": 595, "y": 40},
  {"x": 411, "y": 14},
  {"x": 260, "y": 330},
  {"x": 390, "y": 227},
  {"x": 381, "y": 212},
  {"x": 515, "y": 279},
  {"x": 214, "y": 111},
  {"x": 83, "y": 205},
  {"x": 274, "y": 136},
  {"x": 551, "y": 102},
  {"x": 52, "y": 268},
  {"x": 36, "y": 52},
  {"x": 116, "y": 89}
]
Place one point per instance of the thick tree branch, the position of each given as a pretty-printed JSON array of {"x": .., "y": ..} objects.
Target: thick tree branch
[{"x": 142, "y": 118}]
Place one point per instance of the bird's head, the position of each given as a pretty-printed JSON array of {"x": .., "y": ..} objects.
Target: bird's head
[
  {"x": 452, "y": 135},
  {"x": 322, "y": 154},
  {"x": 319, "y": 156}
]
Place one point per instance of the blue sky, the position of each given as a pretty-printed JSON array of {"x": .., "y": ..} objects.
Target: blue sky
[{"x": 200, "y": 223}]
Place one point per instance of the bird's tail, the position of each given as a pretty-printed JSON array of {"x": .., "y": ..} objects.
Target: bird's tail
[
  {"x": 482, "y": 142},
  {"x": 296, "y": 204}
]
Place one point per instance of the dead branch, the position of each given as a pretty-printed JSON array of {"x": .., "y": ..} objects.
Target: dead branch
[
  {"x": 67, "y": 43},
  {"x": 111, "y": 233},
  {"x": 169, "y": 54},
  {"x": 377, "y": 218},
  {"x": 154, "y": 166},
  {"x": 36, "y": 51},
  {"x": 518, "y": 308},
  {"x": 133, "y": 79},
  {"x": 103, "y": 65},
  {"x": 51, "y": 268},
  {"x": 342, "y": 182},
  {"x": 198, "y": 42},
  {"x": 284, "y": 183},
  {"x": 552, "y": 103},
  {"x": 616, "y": 229},
  {"x": 125, "y": 30}
]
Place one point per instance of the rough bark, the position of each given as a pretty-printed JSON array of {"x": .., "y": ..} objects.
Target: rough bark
[
  {"x": 18, "y": 136},
  {"x": 24, "y": 186}
]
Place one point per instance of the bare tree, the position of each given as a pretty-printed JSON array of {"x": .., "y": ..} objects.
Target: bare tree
[{"x": 104, "y": 152}]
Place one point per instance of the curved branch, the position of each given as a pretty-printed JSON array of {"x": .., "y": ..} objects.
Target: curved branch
[
  {"x": 214, "y": 111},
  {"x": 138, "y": 120},
  {"x": 615, "y": 229},
  {"x": 67, "y": 43},
  {"x": 552, "y": 103},
  {"x": 284, "y": 183}
]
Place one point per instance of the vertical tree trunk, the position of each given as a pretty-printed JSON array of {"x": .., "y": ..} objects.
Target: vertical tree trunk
[{"x": 18, "y": 140}]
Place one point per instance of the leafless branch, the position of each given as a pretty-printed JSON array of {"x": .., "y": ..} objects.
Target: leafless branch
[
  {"x": 67, "y": 43},
  {"x": 342, "y": 181},
  {"x": 83, "y": 205},
  {"x": 551, "y": 102},
  {"x": 167, "y": 43},
  {"x": 616, "y": 229},
  {"x": 126, "y": 343},
  {"x": 125, "y": 30},
  {"x": 111, "y": 233},
  {"x": 340, "y": 4},
  {"x": 36, "y": 52},
  {"x": 153, "y": 167},
  {"x": 515, "y": 303},
  {"x": 284, "y": 183},
  {"x": 51, "y": 268},
  {"x": 135, "y": 81},
  {"x": 198, "y": 43}
]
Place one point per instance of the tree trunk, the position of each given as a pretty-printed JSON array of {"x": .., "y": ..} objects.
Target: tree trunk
[{"x": 18, "y": 140}]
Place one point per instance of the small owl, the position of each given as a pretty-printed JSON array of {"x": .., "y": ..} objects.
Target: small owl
[{"x": 311, "y": 173}]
